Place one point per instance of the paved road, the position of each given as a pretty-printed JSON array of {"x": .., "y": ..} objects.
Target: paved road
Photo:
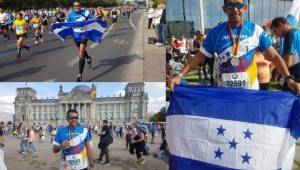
[
  {"x": 44, "y": 159},
  {"x": 116, "y": 59}
]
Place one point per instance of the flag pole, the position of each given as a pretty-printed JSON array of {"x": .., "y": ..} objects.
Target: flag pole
[{"x": 201, "y": 17}]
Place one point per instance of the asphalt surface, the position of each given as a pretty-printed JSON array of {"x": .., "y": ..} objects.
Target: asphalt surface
[{"x": 115, "y": 59}]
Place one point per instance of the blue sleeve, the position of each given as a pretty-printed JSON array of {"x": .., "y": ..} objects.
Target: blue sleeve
[
  {"x": 58, "y": 138},
  {"x": 293, "y": 44},
  {"x": 69, "y": 18},
  {"x": 91, "y": 16},
  {"x": 88, "y": 137},
  {"x": 208, "y": 44},
  {"x": 264, "y": 42}
]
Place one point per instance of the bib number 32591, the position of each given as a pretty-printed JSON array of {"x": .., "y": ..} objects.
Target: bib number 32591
[
  {"x": 73, "y": 161},
  {"x": 235, "y": 80}
]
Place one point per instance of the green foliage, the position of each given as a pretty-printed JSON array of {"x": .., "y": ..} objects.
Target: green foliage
[
  {"x": 160, "y": 116},
  {"x": 157, "y": 2}
]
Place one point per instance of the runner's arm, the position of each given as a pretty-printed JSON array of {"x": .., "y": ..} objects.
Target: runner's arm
[
  {"x": 90, "y": 154},
  {"x": 279, "y": 63},
  {"x": 195, "y": 61},
  {"x": 288, "y": 58}
]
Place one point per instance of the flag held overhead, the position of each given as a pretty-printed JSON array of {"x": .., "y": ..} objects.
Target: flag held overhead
[{"x": 84, "y": 30}]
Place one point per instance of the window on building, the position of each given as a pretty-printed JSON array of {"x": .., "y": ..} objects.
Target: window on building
[
  {"x": 117, "y": 116},
  {"x": 40, "y": 116},
  {"x": 34, "y": 117},
  {"x": 104, "y": 116},
  {"x": 45, "y": 116},
  {"x": 98, "y": 117}
]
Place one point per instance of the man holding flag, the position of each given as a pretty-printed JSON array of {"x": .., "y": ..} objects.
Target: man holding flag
[
  {"x": 232, "y": 44},
  {"x": 82, "y": 27},
  {"x": 227, "y": 128}
]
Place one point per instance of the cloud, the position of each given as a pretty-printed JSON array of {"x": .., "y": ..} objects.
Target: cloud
[
  {"x": 6, "y": 108},
  {"x": 122, "y": 92},
  {"x": 156, "y": 103}
]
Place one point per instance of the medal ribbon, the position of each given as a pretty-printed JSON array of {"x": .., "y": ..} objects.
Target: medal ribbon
[
  {"x": 235, "y": 46},
  {"x": 71, "y": 136}
]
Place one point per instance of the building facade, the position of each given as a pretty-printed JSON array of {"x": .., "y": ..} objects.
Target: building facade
[{"x": 130, "y": 107}]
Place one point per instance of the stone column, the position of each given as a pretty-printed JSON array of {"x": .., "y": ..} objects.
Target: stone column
[
  {"x": 93, "y": 111},
  {"x": 85, "y": 111},
  {"x": 61, "y": 112},
  {"x": 67, "y": 107}
]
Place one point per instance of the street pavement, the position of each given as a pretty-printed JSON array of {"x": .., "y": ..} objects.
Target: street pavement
[
  {"x": 118, "y": 58},
  {"x": 45, "y": 159}
]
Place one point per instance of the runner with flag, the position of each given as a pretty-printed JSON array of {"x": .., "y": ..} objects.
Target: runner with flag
[{"x": 82, "y": 27}]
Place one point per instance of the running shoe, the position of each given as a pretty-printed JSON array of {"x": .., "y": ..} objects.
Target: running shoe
[
  {"x": 79, "y": 79},
  {"x": 89, "y": 61}
]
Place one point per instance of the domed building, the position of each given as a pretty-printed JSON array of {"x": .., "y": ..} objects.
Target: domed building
[{"x": 91, "y": 109}]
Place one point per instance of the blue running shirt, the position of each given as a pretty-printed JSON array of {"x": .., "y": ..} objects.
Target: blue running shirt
[
  {"x": 74, "y": 157},
  {"x": 244, "y": 75},
  {"x": 83, "y": 15}
]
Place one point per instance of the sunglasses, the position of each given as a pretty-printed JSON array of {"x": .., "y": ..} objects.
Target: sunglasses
[
  {"x": 231, "y": 6},
  {"x": 71, "y": 118}
]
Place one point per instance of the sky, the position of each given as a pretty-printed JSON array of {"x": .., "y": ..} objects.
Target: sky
[
  {"x": 260, "y": 11},
  {"x": 156, "y": 93}
]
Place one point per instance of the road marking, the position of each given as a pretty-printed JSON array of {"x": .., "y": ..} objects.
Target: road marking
[
  {"x": 109, "y": 29},
  {"x": 30, "y": 39},
  {"x": 50, "y": 80},
  {"x": 131, "y": 23},
  {"x": 73, "y": 62},
  {"x": 121, "y": 42}
]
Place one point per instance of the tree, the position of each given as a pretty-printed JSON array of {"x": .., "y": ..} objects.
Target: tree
[
  {"x": 9, "y": 123},
  {"x": 160, "y": 116},
  {"x": 158, "y": 2}
]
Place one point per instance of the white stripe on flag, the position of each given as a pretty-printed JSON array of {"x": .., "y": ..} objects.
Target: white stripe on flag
[
  {"x": 90, "y": 27},
  {"x": 197, "y": 138},
  {"x": 58, "y": 30}
]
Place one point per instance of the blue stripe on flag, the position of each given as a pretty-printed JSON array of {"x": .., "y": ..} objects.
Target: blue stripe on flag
[
  {"x": 180, "y": 163},
  {"x": 252, "y": 106}
]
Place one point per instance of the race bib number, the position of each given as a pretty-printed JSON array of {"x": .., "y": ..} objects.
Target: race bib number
[
  {"x": 35, "y": 26},
  {"x": 114, "y": 16},
  {"x": 19, "y": 30},
  {"x": 235, "y": 80},
  {"x": 74, "y": 161}
]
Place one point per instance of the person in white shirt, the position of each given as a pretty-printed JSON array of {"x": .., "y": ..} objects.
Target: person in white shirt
[
  {"x": 156, "y": 21},
  {"x": 150, "y": 17},
  {"x": 4, "y": 24}
]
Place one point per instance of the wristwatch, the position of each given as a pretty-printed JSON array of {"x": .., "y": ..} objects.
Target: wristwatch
[{"x": 180, "y": 75}]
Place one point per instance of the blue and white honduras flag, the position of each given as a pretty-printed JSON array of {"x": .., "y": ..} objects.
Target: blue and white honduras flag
[
  {"x": 83, "y": 30},
  {"x": 220, "y": 128}
]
